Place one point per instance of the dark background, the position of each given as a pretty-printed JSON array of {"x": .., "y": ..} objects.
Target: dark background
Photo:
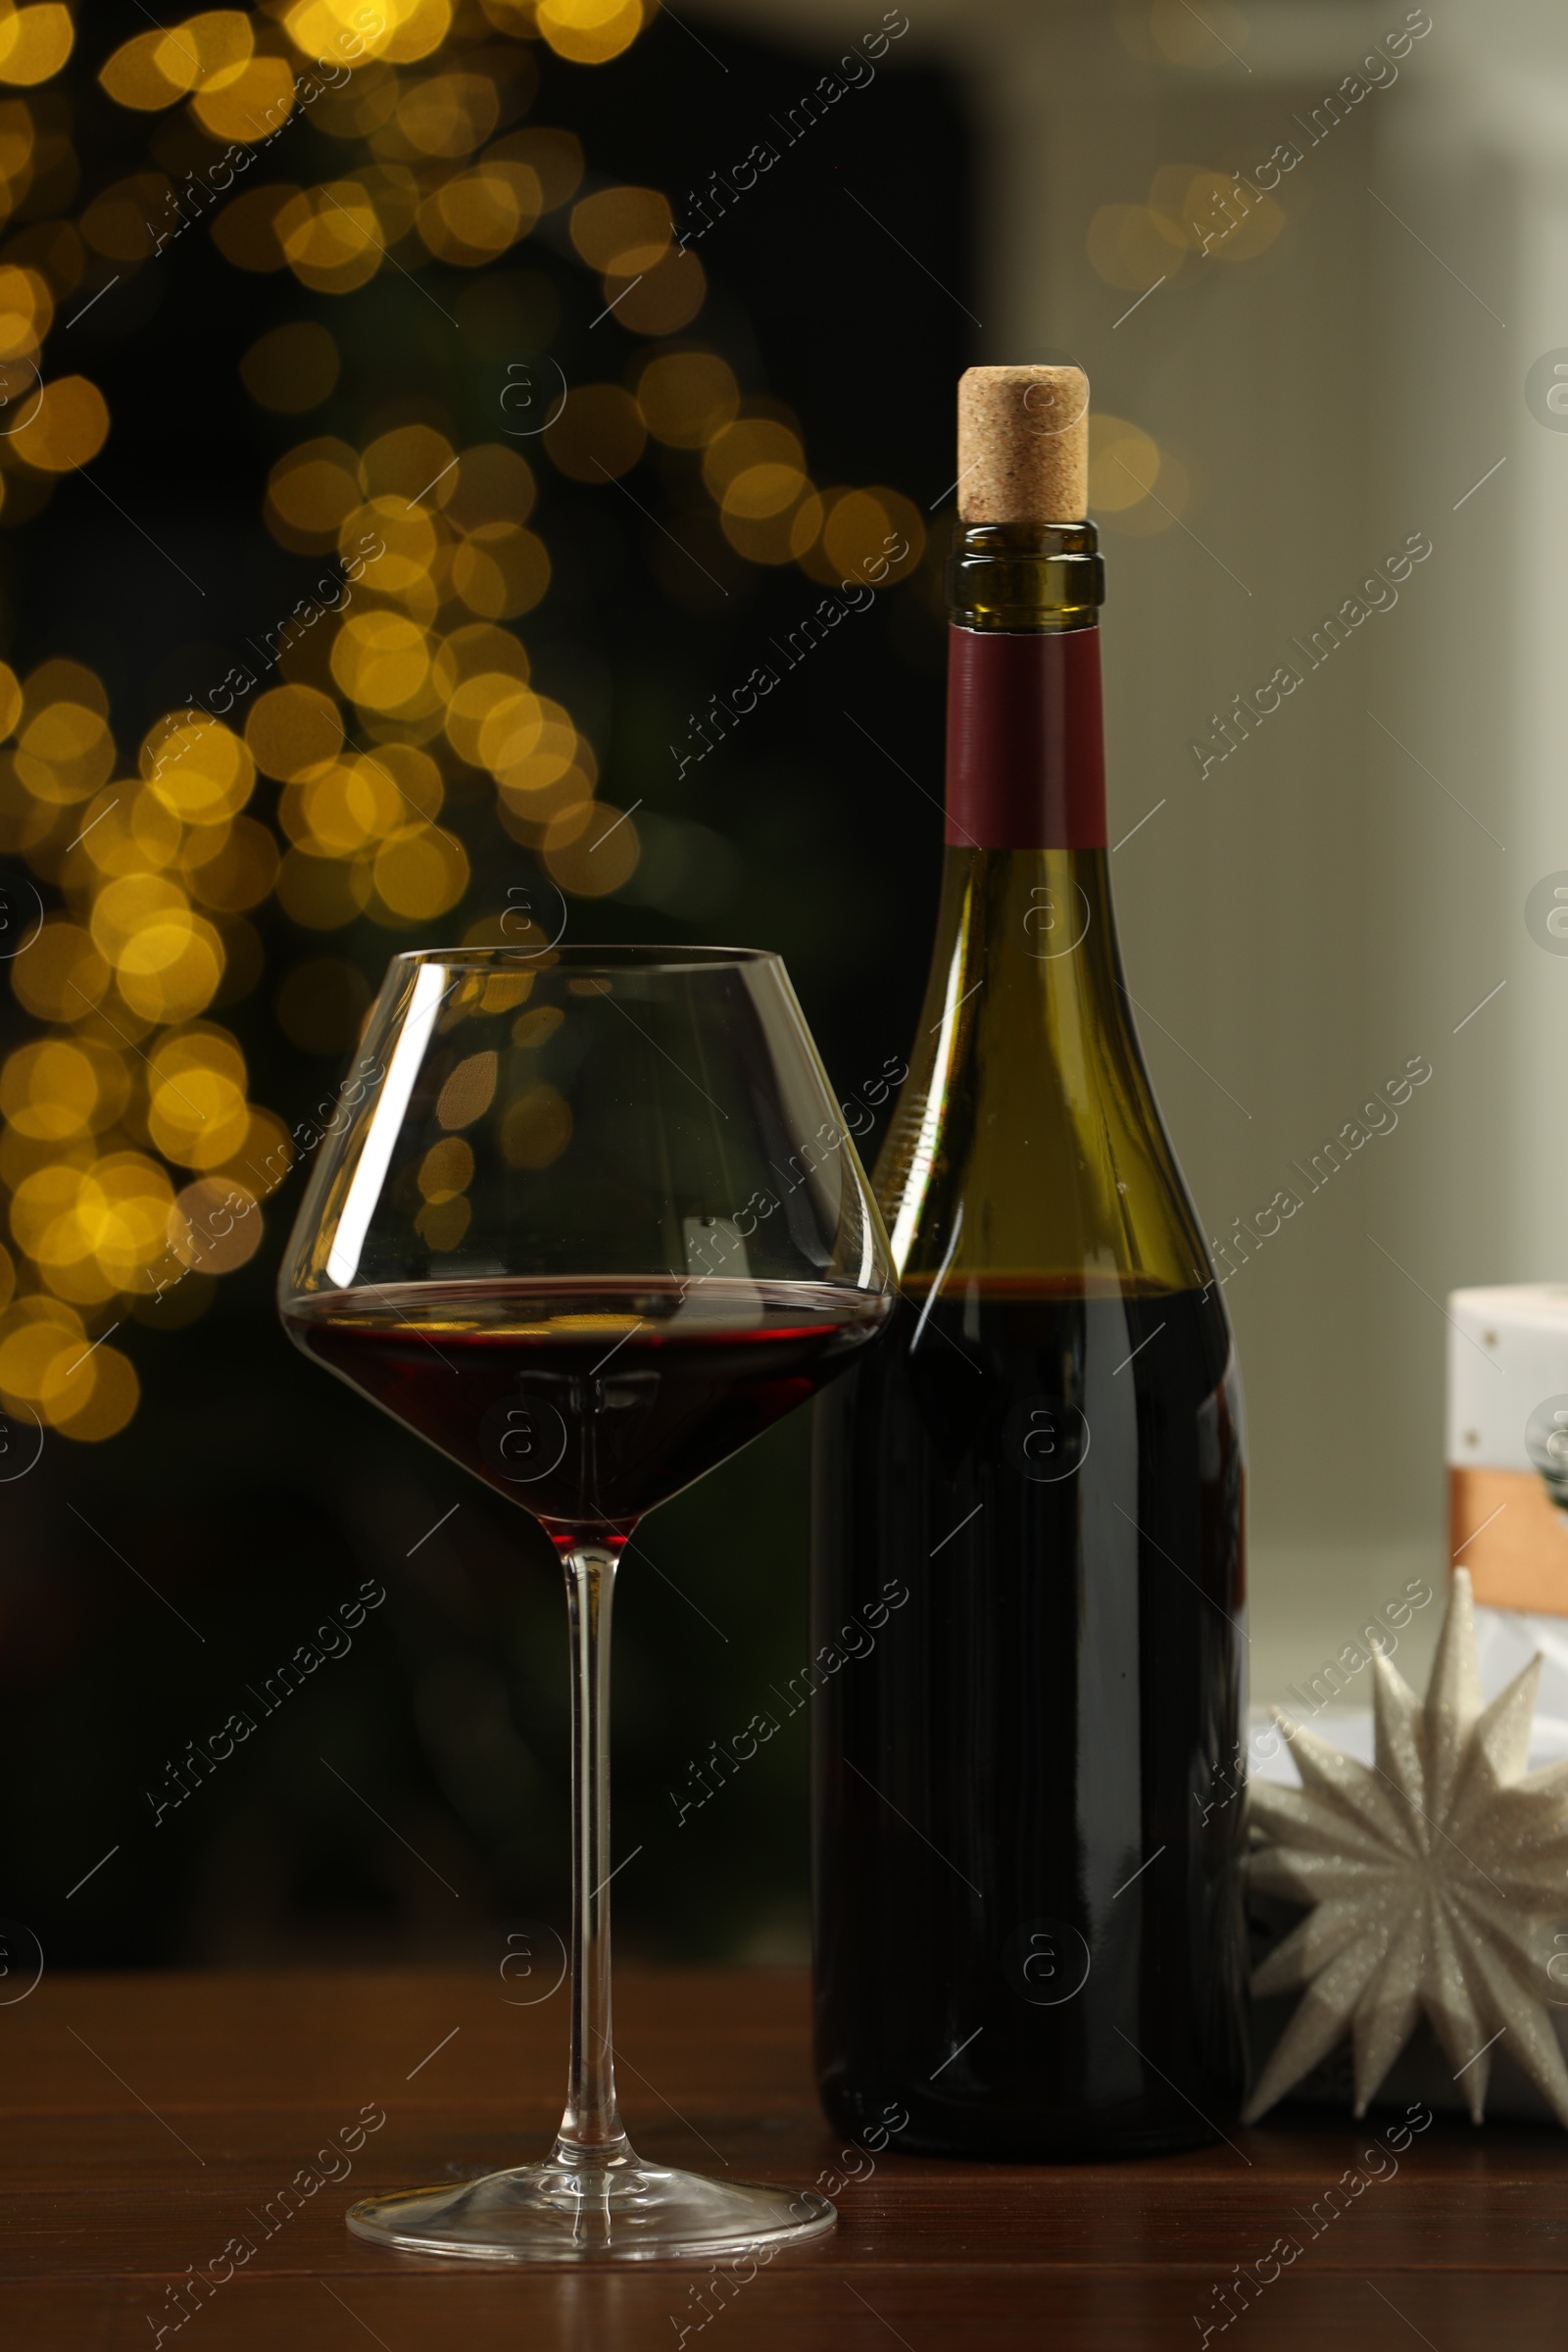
[{"x": 146, "y": 1581}]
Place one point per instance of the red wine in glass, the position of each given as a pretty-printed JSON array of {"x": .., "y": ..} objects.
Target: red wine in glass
[{"x": 589, "y": 1401}]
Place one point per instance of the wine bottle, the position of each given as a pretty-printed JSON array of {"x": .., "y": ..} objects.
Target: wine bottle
[{"x": 1028, "y": 1539}]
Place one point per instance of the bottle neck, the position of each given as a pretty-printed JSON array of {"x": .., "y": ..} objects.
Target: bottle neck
[
  {"x": 1026, "y": 756},
  {"x": 1026, "y": 763}
]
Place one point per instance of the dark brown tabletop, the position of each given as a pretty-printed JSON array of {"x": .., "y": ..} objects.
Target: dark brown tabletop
[{"x": 148, "y": 2120}]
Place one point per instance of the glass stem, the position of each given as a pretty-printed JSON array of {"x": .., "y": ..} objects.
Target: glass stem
[{"x": 591, "y": 2130}]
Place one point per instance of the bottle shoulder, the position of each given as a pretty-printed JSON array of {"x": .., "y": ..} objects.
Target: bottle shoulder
[{"x": 1027, "y": 1139}]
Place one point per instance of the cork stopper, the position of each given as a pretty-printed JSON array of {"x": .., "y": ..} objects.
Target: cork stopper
[{"x": 1023, "y": 445}]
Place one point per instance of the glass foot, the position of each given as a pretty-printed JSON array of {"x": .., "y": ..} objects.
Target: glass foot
[{"x": 619, "y": 2211}]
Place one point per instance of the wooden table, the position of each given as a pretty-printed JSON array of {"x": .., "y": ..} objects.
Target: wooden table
[{"x": 150, "y": 2120}]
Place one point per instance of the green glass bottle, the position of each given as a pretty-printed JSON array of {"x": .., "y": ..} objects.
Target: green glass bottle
[{"x": 1027, "y": 1830}]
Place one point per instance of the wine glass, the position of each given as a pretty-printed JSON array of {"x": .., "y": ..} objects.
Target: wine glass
[{"x": 587, "y": 1219}]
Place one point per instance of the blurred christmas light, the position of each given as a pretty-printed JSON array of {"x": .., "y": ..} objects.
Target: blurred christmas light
[
  {"x": 35, "y": 42},
  {"x": 590, "y": 31}
]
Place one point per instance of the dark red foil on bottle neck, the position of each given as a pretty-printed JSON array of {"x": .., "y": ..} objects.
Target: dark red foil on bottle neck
[{"x": 1026, "y": 754}]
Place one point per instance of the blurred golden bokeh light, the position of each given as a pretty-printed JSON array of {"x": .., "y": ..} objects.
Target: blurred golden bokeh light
[
  {"x": 62, "y": 975},
  {"x": 1132, "y": 247},
  {"x": 1134, "y": 483},
  {"x": 687, "y": 398},
  {"x": 420, "y": 872},
  {"x": 380, "y": 660},
  {"x": 55, "y": 1089},
  {"x": 625, "y": 230},
  {"x": 26, "y": 311},
  {"x": 590, "y": 31},
  {"x": 292, "y": 368},
  {"x": 331, "y": 236},
  {"x": 535, "y": 1128},
  {"x": 66, "y": 427},
  {"x": 469, "y": 1092},
  {"x": 475, "y": 215},
  {"x": 215, "y": 1225},
  {"x": 1191, "y": 209},
  {"x": 311, "y": 494},
  {"x": 36, "y": 42},
  {"x": 248, "y": 104},
  {"x": 292, "y": 731},
  {"x": 597, "y": 434}
]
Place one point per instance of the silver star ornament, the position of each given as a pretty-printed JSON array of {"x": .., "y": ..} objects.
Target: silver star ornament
[{"x": 1432, "y": 1874}]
